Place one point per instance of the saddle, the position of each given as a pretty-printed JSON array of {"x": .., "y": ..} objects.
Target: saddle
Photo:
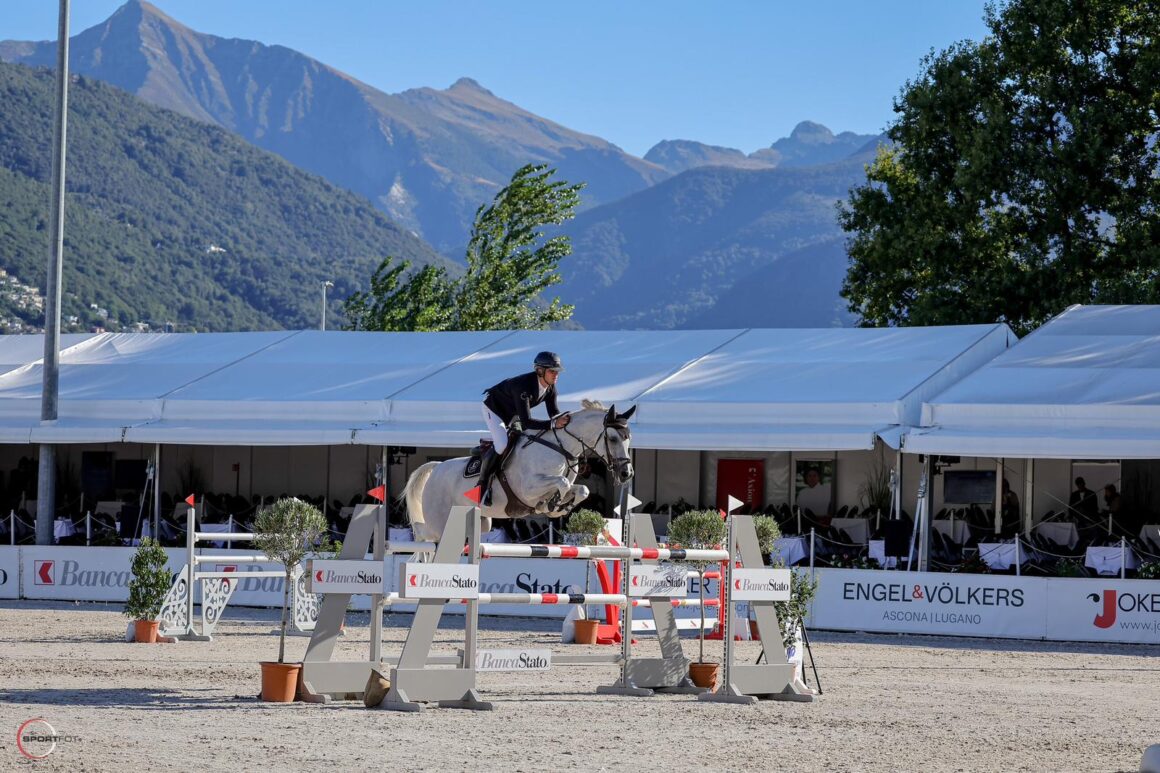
[
  {"x": 483, "y": 457},
  {"x": 475, "y": 460}
]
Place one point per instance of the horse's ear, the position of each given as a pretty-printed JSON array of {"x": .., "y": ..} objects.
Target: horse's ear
[
  {"x": 611, "y": 413},
  {"x": 628, "y": 414}
]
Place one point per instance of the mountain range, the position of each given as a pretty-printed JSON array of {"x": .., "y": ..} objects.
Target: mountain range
[
  {"x": 426, "y": 157},
  {"x": 170, "y": 222},
  {"x": 666, "y": 256},
  {"x": 685, "y": 226},
  {"x": 809, "y": 144}
]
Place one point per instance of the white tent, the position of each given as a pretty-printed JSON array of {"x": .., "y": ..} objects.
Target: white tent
[
  {"x": 1084, "y": 386},
  {"x": 796, "y": 390},
  {"x": 774, "y": 390},
  {"x": 309, "y": 388}
]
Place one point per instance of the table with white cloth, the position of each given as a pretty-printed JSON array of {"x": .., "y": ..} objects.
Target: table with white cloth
[
  {"x": 62, "y": 527},
  {"x": 395, "y": 534},
  {"x": 790, "y": 549},
  {"x": 217, "y": 528},
  {"x": 957, "y": 531},
  {"x": 878, "y": 553},
  {"x": 1107, "y": 560},
  {"x": 857, "y": 528},
  {"x": 495, "y": 535},
  {"x": 1060, "y": 532},
  {"x": 166, "y": 529},
  {"x": 1001, "y": 555}
]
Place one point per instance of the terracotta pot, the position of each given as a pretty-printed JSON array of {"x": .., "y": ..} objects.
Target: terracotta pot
[
  {"x": 704, "y": 674},
  {"x": 586, "y": 631},
  {"x": 279, "y": 681},
  {"x": 145, "y": 631}
]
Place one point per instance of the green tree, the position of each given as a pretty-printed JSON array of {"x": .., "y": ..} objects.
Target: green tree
[
  {"x": 510, "y": 263},
  {"x": 423, "y": 302},
  {"x": 1022, "y": 177}
]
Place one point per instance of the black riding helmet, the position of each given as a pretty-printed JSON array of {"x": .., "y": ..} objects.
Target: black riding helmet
[{"x": 549, "y": 361}]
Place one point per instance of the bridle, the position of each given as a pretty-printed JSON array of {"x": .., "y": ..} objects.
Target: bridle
[
  {"x": 617, "y": 464},
  {"x": 573, "y": 461}
]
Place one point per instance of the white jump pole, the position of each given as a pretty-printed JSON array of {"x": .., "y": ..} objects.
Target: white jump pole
[
  {"x": 537, "y": 599},
  {"x": 1123, "y": 551},
  {"x": 496, "y": 550},
  {"x": 190, "y": 539},
  {"x": 11, "y": 527},
  {"x": 88, "y": 527}
]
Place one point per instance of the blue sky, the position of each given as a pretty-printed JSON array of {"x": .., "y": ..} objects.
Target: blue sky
[{"x": 738, "y": 74}]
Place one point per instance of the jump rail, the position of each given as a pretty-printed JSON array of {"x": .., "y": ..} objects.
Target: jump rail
[
  {"x": 416, "y": 680},
  {"x": 215, "y": 588}
]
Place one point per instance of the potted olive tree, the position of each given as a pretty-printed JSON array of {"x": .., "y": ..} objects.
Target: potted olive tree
[
  {"x": 584, "y": 528},
  {"x": 286, "y": 531},
  {"x": 148, "y": 586},
  {"x": 790, "y": 614},
  {"x": 700, "y": 529}
]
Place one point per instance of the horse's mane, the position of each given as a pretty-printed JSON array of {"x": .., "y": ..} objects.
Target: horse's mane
[{"x": 596, "y": 405}]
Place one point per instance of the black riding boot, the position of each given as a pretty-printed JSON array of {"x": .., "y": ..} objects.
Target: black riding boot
[{"x": 486, "y": 467}]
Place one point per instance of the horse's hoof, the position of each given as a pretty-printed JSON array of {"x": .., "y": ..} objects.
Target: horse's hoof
[{"x": 377, "y": 688}]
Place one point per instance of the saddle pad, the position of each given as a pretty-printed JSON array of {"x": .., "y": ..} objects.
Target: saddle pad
[{"x": 472, "y": 468}]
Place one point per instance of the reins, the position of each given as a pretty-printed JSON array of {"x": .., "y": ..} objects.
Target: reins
[{"x": 572, "y": 460}]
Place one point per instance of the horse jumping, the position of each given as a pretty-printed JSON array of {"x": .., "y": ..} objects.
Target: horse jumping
[{"x": 540, "y": 473}]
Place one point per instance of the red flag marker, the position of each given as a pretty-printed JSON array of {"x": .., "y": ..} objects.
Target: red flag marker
[
  {"x": 189, "y": 500},
  {"x": 379, "y": 493},
  {"x": 473, "y": 494}
]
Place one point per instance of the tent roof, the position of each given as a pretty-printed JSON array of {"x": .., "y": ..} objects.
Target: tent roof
[
  {"x": 1084, "y": 386},
  {"x": 719, "y": 389}
]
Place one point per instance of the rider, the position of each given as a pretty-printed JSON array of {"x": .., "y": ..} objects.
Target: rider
[{"x": 514, "y": 399}]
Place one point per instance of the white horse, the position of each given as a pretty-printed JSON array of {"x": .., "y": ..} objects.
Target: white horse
[{"x": 541, "y": 472}]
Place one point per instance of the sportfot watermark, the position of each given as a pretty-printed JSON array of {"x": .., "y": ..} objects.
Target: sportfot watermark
[{"x": 36, "y": 739}]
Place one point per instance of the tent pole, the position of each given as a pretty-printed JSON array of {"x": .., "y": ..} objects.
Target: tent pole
[
  {"x": 924, "y": 511},
  {"x": 1028, "y": 495},
  {"x": 998, "y": 495},
  {"x": 157, "y": 491}
]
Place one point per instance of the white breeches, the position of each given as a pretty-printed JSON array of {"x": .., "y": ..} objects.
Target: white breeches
[{"x": 498, "y": 430}]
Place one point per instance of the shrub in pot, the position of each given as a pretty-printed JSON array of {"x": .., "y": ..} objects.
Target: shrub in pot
[
  {"x": 802, "y": 587},
  {"x": 286, "y": 531},
  {"x": 584, "y": 528},
  {"x": 700, "y": 529},
  {"x": 148, "y": 586}
]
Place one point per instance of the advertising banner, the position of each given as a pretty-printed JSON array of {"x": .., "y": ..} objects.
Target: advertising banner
[
  {"x": 440, "y": 581},
  {"x": 9, "y": 572},
  {"x": 761, "y": 585},
  {"x": 1104, "y": 609},
  {"x": 668, "y": 580},
  {"x": 345, "y": 576},
  {"x": 741, "y": 478},
  {"x": 933, "y": 603},
  {"x": 513, "y": 660},
  {"x": 81, "y": 573}
]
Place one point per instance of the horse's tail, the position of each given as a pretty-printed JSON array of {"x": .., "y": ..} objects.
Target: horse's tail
[{"x": 413, "y": 494}]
